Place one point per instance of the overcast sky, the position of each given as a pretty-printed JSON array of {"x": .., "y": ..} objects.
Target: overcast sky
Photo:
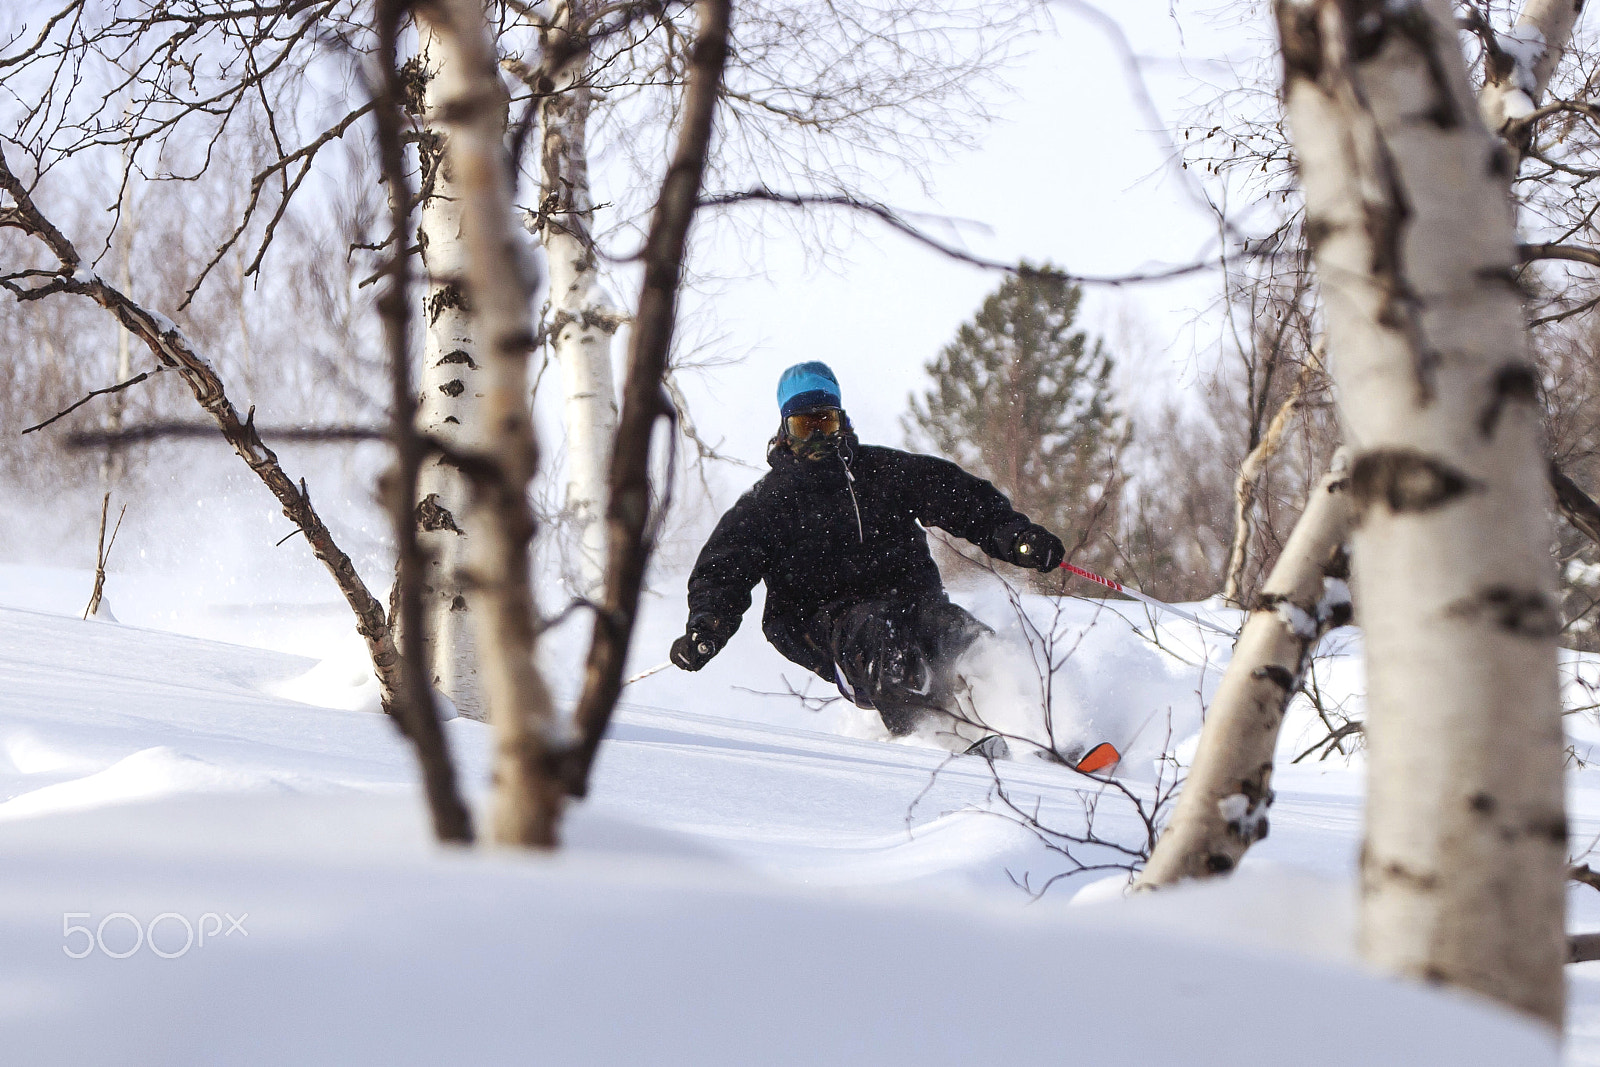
[{"x": 1070, "y": 173}]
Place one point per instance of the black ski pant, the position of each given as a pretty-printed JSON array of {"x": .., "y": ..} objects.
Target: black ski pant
[{"x": 896, "y": 654}]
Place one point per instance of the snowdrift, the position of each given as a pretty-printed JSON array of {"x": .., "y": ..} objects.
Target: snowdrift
[{"x": 200, "y": 869}]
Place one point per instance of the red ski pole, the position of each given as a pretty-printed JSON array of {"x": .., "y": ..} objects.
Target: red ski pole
[{"x": 1159, "y": 605}]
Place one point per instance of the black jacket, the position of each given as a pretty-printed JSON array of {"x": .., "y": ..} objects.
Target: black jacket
[{"x": 825, "y": 534}]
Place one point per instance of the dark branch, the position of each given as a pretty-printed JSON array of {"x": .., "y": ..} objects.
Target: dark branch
[
  {"x": 119, "y": 387},
  {"x": 893, "y": 219},
  {"x": 159, "y": 431},
  {"x": 1576, "y": 506},
  {"x": 1583, "y": 948},
  {"x": 1571, "y": 253}
]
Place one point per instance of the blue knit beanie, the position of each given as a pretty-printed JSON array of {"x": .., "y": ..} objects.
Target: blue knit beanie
[{"x": 807, "y": 387}]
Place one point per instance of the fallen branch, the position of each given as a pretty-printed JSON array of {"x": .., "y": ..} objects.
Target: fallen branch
[{"x": 102, "y": 553}]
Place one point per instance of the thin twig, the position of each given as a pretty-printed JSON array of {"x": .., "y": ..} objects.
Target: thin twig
[
  {"x": 108, "y": 390},
  {"x": 893, "y": 219}
]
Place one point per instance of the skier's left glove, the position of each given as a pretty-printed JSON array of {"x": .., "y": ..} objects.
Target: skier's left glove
[{"x": 1038, "y": 548}]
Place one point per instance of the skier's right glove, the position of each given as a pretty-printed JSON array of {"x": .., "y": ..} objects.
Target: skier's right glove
[
  {"x": 703, "y": 639},
  {"x": 1038, "y": 548}
]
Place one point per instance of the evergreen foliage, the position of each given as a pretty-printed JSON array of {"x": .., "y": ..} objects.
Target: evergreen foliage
[{"x": 1023, "y": 399}]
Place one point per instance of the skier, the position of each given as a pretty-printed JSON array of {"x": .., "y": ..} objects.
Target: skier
[{"x": 852, "y": 591}]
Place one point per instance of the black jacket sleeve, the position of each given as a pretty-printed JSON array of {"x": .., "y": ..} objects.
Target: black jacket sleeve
[
  {"x": 948, "y": 497},
  {"x": 733, "y": 560}
]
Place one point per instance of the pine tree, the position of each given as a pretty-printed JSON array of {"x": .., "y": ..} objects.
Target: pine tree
[{"x": 1024, "y": 400}]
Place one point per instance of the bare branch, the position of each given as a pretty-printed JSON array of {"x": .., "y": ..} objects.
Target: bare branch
[
  {"x": 893, "y": 219},
  {"x": 1572, "y": 253},
  {"x": 165, "y": 431},
  {"x": 119, "y": 387},
  {"x": 305, "y": 157},
  {"x": 1576, "y": 506}
]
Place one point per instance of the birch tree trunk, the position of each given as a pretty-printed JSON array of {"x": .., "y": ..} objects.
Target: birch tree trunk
[
  {"x": 1248, "y": 482},
  {"x": 1518, "y": 71},
  {"x": 472, "y": 105},
  {"x": 582, "y": 318},
  {"x": 450, "y": 403},
  {"x": 645, "y": 398},
  {"x": 1409, "y": 220},
  {"x": 1226, "y": 798},
  {"x": 414, "y": 705}
]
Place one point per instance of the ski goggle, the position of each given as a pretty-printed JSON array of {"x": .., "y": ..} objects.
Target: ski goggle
[{"x": 808, "y": 425}]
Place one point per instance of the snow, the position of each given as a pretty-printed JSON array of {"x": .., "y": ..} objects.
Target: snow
[
  {"x": 1251, "y": 818},
  {"x": 165, "y": 326},
  {"x": 1299, "y": 622},
  {"x": 1517, "y": 104},
  {"x": 169, "y": 329},
  {"x": 1335, "y": 598},
  {"x": 752, "y": 880},
  {"x": 1525, "y": 46}
]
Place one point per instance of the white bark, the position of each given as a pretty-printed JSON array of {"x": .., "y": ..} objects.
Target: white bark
[
  {"x": 504, "y": 452},
  {"x": 449, "y": 405},
  {"x": 1517, "y": 74},
  {"x": 1249, "y": 479},
  {"x": 1410, "y": 221},
  {"x": 582, "y": 318},
  {"x": 114, "y": 466},
  {"x": 1227, "y": 796}
]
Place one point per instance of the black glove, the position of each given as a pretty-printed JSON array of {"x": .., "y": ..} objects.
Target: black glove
[
  {"x": 1038, "y": 548},
  {"x": 695, "y": 648}
]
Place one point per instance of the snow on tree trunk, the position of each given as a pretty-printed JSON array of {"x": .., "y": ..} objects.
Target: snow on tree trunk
[
  {"x": 451, "y": 398},
  {"x": 503, "y": 452},
  {"x": 1410, "y": 224},
  {"x": 582, "y": 318},
  {"x": 1517, "y": 70},
  {"x": 1223, "y": 808}
]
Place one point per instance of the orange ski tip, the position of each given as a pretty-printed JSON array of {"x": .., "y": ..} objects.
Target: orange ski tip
[{"x": 1098, "y": 758}]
